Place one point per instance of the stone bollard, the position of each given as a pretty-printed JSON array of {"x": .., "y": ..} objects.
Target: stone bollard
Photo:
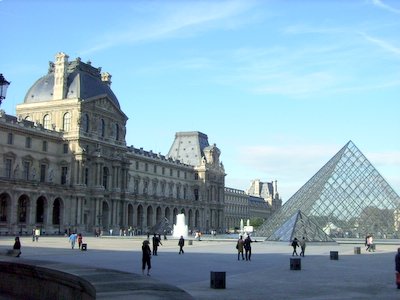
[
  {"x": 334, "y": 255},
  {"x": 357, "y": 250},
  {"x": 217, "y": 280},
  {"x": 190, "y": 242},
  {"x": 295, "y": 264}
]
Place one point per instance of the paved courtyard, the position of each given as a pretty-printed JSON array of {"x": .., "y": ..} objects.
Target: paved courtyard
[{"x": 266, "y": 276}]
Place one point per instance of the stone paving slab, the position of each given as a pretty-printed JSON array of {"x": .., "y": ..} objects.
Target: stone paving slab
[{"x": 369, "y": 275}]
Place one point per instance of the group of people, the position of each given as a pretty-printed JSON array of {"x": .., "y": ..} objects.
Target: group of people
[
  {"x": 147, "y": 253},
  {"x": 75, "y": 237},
  {"x": 244, "y": 245},
  {"x": 35, "y": 234},
  {"x": 299, "y": 243}
]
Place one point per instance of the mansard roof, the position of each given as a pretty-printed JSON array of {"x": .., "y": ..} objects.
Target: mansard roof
[{"x": 83, "y": 82}]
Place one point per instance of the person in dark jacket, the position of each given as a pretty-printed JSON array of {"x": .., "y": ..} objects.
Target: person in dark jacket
[
  {"x": 17, "y": 247},
  {"x": 397, "y": 264},
  {"x": 239, "y": 247},
  {"x": 156, "y": 243},
  {"x": 295, "y": 244},
  {"x": 146, "y": 257},
  {"x": 247, "y": 247},
  {"x": 181, "y": 243}
]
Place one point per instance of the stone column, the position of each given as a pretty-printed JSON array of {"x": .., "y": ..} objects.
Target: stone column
[{"x": 79, "y": 211}]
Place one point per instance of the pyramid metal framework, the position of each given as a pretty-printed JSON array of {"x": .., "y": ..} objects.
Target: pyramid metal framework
[
  {"x": 347, "y": 197},
  {"x": 299, "y": 225},
  {"x": 161, "y": 227}
]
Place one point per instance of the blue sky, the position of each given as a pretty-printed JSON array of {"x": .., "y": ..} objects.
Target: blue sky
[{"x": 279, "y": 86}]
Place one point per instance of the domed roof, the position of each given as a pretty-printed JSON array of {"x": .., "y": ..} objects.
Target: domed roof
[{"x": 83, "y": 82}]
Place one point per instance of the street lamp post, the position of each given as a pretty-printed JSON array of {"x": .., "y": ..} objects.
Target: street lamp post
[{"x": 3, "y": 88}]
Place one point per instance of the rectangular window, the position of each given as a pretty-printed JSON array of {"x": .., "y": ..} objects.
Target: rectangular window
[
  {"x": 28, "y": 142},
  {"x": 137, "y": 165},
  {"x": 8, "y": 163},
  {"x": 10, "y": 139},
  {"x": 155, "y": 169},
  {"x": 163, "y": 170},
  {"x": 196, "y": 194},
  {"x": 146, "y": 167},
  {"x": 179, "y": 174},
  {"x": 43, "y": 173},
  {"x": 64, "y": 171},
  {"x": 170, "y": 172},
  {"x": 44, "y": 146},
  {"x": 86, "y": 176},
  {"x": 65, "y": 148},
  {"x": 27, "y": 166}
]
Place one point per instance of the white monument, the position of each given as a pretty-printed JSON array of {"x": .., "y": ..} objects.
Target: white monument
[{"x": 180, "y": 228}]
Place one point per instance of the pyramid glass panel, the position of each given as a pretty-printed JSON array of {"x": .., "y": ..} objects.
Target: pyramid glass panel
[
  {"x": 347, "y": 197},
  {"x": 298, "y": 226}
]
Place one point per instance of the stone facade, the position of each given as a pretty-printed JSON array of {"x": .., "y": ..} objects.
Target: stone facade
[
  {"x": 241, "y": 205},
  {"x": 236, "y": 208},
  {"x": 65, "y": 164}
]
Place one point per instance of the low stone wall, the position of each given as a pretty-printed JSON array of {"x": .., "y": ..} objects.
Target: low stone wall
[{"x": 42, "y": 280}]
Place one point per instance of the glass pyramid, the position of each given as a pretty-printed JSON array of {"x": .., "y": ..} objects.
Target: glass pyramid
[
  {"x": 347, "y": 197},
  {"x": 299, "y": 225}
]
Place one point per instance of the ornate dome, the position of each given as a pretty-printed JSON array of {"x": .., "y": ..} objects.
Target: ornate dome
[{"x": 82, "y": 81}]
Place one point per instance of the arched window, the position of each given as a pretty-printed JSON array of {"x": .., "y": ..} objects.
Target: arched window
[
  {"x": 67, "y": 122},
  {"x": 3, "y": 209},
  {"x": 85, "y": 123},
  {"x": 22, "y": 209},
  {"x": 47, "y": 122}
]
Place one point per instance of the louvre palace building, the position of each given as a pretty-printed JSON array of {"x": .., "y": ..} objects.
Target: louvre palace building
[{"x": 65, "y": 164}]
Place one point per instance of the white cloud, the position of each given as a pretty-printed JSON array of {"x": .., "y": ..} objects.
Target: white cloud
[
  {"x": 382, "y": 5},
  {"x": 172, "y": 20},
  {"x": 381, "y": 43}
]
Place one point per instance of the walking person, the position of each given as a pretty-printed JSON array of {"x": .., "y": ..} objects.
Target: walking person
[
  {"x": 37, "y": 234},
  {"x": 397, "y": 265},
  {"x": 80, "y": 238},
  {"x": 146, "y": 257},
  {"x": 181, "y": 243},
  {"x": 239, "y": 247},
  {"x": 370, "y": 243},
  {"x": 302, "y": 243},
  {"x": 72, "y": 239},
  {"x": 17, "y": 247},
  {"x": 295, "y": 244},
  {"x": 247, "y": 247},
  {"x": 156, "y": 243}
]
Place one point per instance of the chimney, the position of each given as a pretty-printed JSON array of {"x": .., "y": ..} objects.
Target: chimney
[
  {"x": 60, "y": 76},
  {"x": 275, "y": 187},
  {"x": 257, "y": 187}
]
